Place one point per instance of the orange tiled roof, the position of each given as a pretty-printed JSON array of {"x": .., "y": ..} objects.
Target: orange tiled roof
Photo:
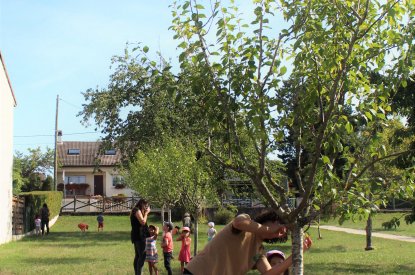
[{"x": 88, "y": 155}]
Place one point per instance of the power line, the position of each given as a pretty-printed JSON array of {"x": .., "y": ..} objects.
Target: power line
[
  {"x": 71, "y": 104},
  {"x": 70, "y": 134}
]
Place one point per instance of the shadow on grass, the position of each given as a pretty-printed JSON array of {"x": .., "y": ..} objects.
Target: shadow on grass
[
  {"x": 78, "y": 239},
  {"x": 47, "y": 261},
  {"x": 334, "y": 249},
  {"x": 356, "y": 268}
]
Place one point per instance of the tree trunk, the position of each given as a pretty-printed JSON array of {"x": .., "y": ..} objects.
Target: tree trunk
[
  {"x": 318, "y": 228},
  {"x": 369, "y": 233},
  {"x": 169, "y": 214},
  {"x": 196, "y": 235},
  {"x": 297, "y": 250}
]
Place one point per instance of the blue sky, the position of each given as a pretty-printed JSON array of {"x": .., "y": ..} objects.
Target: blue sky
[{"x": 65, "y": 47}]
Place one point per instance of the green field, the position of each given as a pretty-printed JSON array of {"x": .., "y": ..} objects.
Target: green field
[
  {"x": 66, "y": 251},
  {"x": 403, "y": 229}
]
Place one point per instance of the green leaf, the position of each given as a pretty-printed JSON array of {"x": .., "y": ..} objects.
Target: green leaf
[
  {"x": 325, "y": 159},
  {"x": 145, "y": 49},
  {"x": 349, "y": 127}
]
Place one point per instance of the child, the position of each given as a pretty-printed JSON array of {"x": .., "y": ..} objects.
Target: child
[
  {"x": 184, "y": 255},
  {"x": 276, "y": 257},
  {"x": 176, "y": 230},
  {"x": 37, "y": 225},
  {"x": 167, "y": 246},
  {"x": 212, "y": 231},
  {"x": 187, "y": 221},
  {"x": 100, "y": 220},
  {"x": 151, "y": 249}
]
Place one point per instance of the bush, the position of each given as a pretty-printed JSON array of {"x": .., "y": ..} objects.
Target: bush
[
  {"x": 35, "y": 201},
  {"x": 223, "y": 216}
]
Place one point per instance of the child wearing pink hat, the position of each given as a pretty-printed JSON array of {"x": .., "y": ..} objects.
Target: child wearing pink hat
[
  {"x": 184, "y": 255},
  {"x": 276, "y": 257}
]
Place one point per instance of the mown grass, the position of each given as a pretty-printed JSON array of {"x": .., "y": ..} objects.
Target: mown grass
[
  {"x": 404, "y": 229},
  {"x": 66, "y": 251}
]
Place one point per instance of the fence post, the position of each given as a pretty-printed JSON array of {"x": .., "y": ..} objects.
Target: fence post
[
  {"x": 74, "y": 203},
  {"x": 103, "y": 204}
]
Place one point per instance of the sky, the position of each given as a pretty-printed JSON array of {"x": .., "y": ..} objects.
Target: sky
[{"x": 64, "y": 48}]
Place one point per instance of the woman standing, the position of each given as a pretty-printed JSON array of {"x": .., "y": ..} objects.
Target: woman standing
[
  {"x": 139, "y": 232},
  {"x": 44, "y": 215}
]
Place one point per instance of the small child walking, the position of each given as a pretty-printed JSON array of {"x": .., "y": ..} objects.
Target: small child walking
[
  {"x": 151, "y": 250},
  {"x": 211, "y": 231},
  {"x": 38, "y": 222},
  {"x": 184, "y": 255},
  {"x": 100, "y": 220}
]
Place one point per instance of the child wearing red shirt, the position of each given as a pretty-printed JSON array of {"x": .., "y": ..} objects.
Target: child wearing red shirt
[{"x": 167, "y": 245}]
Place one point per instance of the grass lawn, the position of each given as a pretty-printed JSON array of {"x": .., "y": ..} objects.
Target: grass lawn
[
  {"x": 404, "y": 229},
  {"x": 66, "y": 251}
]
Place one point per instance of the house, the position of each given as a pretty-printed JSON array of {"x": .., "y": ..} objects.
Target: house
[
  {"x": 84, "y": 171},
  {"x": 7, "y": 104}
]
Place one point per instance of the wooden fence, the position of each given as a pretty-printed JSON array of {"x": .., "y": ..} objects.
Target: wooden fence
[
  {"x": 18, "y": 204},
  {"x": 103, "y": 204}
]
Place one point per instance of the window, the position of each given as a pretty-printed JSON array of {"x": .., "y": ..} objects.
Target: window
[
  {"x": 110, "y": 152},
  {"x": 74, "y": 151},
  {"x": 117, "y": 180},
  {"x": 75, "y": 179}
]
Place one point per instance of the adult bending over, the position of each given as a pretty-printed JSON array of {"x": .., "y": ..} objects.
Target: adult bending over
[
  {"x": 139, "y": 232},
  {"x": 238, "y": 247}
]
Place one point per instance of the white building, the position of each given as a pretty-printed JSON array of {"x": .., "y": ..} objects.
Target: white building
[{"x": 7, "y": 104}]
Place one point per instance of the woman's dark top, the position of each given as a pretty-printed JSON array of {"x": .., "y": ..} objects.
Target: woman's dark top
[{"x": 139, "y": 232}]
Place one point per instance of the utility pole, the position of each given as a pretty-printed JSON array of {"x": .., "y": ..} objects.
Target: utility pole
[{"x": 55, "y": 166}]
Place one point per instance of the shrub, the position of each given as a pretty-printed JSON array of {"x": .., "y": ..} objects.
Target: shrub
[
  {"x": 223, "y": 216},
  {"x": 35, "y": 201}
]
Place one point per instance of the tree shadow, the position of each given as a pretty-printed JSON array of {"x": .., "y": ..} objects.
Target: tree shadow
[
  {"x": 356, "y": 268},
  {"x": 61, "y": 261},
  {"x": 78, "y": 239}
]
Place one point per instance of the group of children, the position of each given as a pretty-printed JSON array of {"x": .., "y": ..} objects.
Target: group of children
[
  {"x": 82, "y": 226},
  {"x": 167, "y": 245}
]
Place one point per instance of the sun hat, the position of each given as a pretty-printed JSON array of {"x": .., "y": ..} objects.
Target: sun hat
[
  {"x": 275, "y": 252},
  {"x": 185, "y": 228},
  {"x": 211, "y": 224}
]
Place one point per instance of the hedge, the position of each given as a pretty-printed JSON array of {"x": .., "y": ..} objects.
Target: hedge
[{"x": 35, "y": 201}]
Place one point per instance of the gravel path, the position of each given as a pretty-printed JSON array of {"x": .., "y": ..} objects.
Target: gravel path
[{"x": 374, "y": 234}]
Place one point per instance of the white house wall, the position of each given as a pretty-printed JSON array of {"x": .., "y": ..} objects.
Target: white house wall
[{"x": 7, "y": 104}]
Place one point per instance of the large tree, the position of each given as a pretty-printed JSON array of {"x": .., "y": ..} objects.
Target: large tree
[
  {"x": 332, "y": 48},
  {"x": 230, "y": 78}
]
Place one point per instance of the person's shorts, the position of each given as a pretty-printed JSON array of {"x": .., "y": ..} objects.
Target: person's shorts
[{"x": 100, "y": 225}]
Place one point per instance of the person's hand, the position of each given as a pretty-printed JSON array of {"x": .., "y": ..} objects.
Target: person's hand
[
  {"x": 277, "y": 231},
  {"x": 147, "y": 209}
]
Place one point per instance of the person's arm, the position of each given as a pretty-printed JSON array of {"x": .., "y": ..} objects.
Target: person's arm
[
  {"x": 165, "y": 241},
  {"x": 188, "y": 241},
  {"x": 142, "y": 218},
  {"x": 265, "y": 268},
  {"x": 157, "y": 233},
  {"x": 244, "y": 223}
]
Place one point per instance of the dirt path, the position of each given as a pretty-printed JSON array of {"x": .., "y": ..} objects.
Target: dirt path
[{"x": 374, "y": 234}]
